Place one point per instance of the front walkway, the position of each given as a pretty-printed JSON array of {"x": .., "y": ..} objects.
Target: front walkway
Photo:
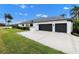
[{"x": 60, "y": 41}]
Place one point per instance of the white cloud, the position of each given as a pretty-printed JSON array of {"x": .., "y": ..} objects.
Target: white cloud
[
  {"x": 66, "y": 8},
  {"x": 44, "y": 16},
  {"x": 41, "y": 15},
  {"x": 23, "y": 14},
  {"x": 23, "y": 6},
  {"x": 38, "y": 15}
]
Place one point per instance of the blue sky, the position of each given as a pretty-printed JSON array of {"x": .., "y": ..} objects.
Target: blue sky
[{"x": 24, "y": 12}]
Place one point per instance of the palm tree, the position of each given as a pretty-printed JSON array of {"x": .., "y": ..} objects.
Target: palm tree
[
  {"x": 8, "y": 18},
  {"x": 75, "y": 12}
]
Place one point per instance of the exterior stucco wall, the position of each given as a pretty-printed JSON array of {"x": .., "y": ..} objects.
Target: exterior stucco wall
[{"x": 69, "y": 25}]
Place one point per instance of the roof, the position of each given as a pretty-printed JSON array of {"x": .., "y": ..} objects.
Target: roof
[
  {"x": 26, "y": 22},
  {"x": 55, "y": 18}
]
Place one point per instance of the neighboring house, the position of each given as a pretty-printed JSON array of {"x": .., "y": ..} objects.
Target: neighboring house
[
  {"x": 52, "y": 24},
  {"x": 24, "y": 24}
]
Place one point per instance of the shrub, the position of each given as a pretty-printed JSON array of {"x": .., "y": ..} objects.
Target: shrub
[
  {"x": 76, "y": 26},
  {"x": 23, "y": 28}
]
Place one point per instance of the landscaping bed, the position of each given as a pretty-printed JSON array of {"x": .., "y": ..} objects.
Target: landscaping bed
[{"x": 75, "y": 34}]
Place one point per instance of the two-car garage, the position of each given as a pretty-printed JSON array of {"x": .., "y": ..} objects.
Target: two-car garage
[{"x": 60, "y": 27}]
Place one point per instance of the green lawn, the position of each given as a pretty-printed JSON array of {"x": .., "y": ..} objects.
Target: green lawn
[{"x": 12, "y": 43}]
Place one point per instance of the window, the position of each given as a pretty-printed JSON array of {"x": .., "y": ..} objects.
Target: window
[{"x": 31, "y": 24}]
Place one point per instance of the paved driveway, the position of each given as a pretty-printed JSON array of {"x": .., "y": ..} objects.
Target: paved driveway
[{"x": 60, "y": 41}]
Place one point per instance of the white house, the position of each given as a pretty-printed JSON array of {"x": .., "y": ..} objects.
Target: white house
[
  {"x": 52, "y": 24},
  {"x": 24, "y": 24}
]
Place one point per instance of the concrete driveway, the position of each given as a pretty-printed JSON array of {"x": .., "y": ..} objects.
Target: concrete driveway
[{"x": 60, "y": 41}]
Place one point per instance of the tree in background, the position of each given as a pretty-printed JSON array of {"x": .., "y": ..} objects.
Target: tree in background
[
  {"x": 8, "y": 18},
  {"x": 63, "y": 15},
  {"x": 74, "y": 12}
]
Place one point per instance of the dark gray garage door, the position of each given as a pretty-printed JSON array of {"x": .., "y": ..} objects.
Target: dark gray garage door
[
  {"x": 62, "y": 27},
  {"x": 45, "y": 27}
]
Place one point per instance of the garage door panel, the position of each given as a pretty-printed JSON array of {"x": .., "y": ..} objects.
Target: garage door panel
[
  {"x": 45, "y": 27},
  {"x": 62, "y": 27}
]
